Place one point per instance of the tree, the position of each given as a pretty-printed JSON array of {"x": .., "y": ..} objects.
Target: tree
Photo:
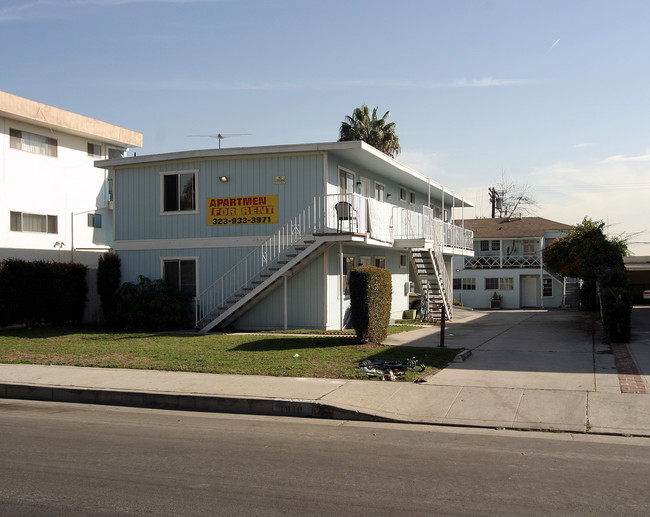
[
  {"x": 365, "y": 127},
  {"x": 512, "y": 199},
  {"x": 587, "y": 253}
]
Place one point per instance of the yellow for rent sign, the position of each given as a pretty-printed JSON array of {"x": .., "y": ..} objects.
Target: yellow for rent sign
[{"x": 242, "y": 210}]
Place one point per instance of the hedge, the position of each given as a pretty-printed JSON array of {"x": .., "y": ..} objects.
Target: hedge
[
  {"x": 41, "y": 292},
  {"x": 616, "y": 313},
  {"x": 370, "y": 302}
]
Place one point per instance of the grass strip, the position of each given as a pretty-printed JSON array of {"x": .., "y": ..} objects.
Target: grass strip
[{"x": 290, "y": 356}]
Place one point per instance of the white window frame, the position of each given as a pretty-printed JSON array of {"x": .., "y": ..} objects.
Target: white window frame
[
  {"x": 33, "y": 143},
  {"x": 412, "y": 199},
  {"x": 349, "y": 261},
  {"x": 365, "y": 260},
  {"x": 48, "y": 219},
  {"x": 380, "y": 191},
  {"x": 403, "y": 194},
  {"x": 163, "y": 174},
  {"x": 403, "y": 261},
  {"x": 194, "y": 259},
  {"x": 349, "y": 177},
  {"x": 95, "y": 150}
]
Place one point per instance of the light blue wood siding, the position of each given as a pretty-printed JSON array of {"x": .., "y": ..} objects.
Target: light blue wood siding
[
  {"x": 399, "y": 277},
  {"x": 305, "y": 294},
  {"x": 138, "y": 203}
]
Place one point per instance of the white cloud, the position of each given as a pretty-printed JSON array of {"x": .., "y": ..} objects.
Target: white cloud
[{"x": 622, "y": 158}]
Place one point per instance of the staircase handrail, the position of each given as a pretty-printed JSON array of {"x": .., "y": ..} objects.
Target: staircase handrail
[
  {"x": 309, "y": 221},
  {"x": 441, "y": 269}
]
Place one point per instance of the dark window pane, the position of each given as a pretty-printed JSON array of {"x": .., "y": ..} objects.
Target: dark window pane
[
  {"x": 187, "y": 192},
  {"x": 188, "y": 277},
  {"x": 170, "y": 274},
  {"x": 170, "y": 196}
]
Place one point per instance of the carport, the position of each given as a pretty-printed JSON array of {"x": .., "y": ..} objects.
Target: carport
[{"x": 638, "y": 271}]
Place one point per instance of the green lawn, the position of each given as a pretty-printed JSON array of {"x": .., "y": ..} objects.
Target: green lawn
[{"x": 326, "y": 357}]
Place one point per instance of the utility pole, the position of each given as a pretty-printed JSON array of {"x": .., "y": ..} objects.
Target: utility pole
[{"x": 493, "y": 199}]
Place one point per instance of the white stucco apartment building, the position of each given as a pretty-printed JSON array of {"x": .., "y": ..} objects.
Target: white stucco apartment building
[{"x": 54, "y": 203}]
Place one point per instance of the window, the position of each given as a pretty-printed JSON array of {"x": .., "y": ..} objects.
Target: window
[
  {"x": 22, "y": 222},
  {"x": 94, "y": 150},
  {"x": 503, "y": 284},
  {"x": 412, "y": 198},
  {"x": 364, "y": 260},
  {"x": 485, "y": 245},
  {"x": 114, "y": 154},
  {"x": 403, "y": 260},
  {"x": 179, "y": 191},
  {"x": 402, "y": 194},
  {"x": 466, "y": 284},
  {"x": 547, "y": 287},
  {"x": 348, "y": 264},
  {"x": 94, "y": 220},
  {"x": 379, "y": 191},
  {"x": 180, "y": 274},
  {"x": 529, "y": 247},
  {"x": 496, "y": 245},
  {"x": 346, "y": 182},
  {"x": 380, "y": 262},
  {"x": 32, "y": 143}
]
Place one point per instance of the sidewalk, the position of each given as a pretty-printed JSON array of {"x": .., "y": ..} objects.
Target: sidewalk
[{"x": 527, "y": 370}]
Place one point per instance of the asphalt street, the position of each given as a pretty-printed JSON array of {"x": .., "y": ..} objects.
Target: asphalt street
[{"x": 70, "y": 459}]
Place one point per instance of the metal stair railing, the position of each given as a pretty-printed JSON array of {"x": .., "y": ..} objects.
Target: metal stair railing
[
  {"x": 441, "y": 272},
  {"x": 221, "y": 292}
]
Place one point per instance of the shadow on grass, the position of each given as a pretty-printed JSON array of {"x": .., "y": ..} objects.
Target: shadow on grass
[{"x": 257, "y": 344}]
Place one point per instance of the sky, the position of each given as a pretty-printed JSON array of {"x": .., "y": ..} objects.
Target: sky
[{"x": 551, "y": 95}]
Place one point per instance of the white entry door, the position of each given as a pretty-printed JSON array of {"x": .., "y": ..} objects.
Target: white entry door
[
  {"x": 364, "y": 190},
  {"x": 528, "y": 291}
]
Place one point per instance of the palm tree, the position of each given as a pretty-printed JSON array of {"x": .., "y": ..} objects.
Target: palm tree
[{"x": 377, "y": 132}]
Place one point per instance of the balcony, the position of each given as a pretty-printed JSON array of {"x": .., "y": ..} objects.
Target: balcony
[
  {"x": 352, "y": 213},
  {"x": 500, "y": 262}
]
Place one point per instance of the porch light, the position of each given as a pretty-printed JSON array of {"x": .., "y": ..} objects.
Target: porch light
[
  {"x": 388, "y": 196},
  {"x": 223, "y": 179},
  {"x": 358, "y": 183}
]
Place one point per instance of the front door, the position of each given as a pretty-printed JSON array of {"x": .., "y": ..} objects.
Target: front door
[{"x": 528, "y": 286}]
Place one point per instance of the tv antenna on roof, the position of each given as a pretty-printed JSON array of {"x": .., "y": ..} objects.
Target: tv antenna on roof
[{"x": 220, "y": 136}]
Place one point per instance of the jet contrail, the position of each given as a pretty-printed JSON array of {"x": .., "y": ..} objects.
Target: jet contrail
[{"x": 556, "y": 42}]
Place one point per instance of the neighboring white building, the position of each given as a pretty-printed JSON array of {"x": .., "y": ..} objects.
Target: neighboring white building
[
  {"x": 54, "y": 204},
  {"x": 508, "y": 261}
]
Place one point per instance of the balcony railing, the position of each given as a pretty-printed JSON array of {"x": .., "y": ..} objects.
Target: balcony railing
[
  {"x": 412, "y": 225},
  {"x": 498, "y": 262}
]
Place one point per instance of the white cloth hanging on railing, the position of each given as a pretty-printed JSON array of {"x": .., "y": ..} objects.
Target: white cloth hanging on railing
[{"x": 380, "y": 221}]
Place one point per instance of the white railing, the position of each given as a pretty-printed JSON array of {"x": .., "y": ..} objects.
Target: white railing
[
  {"x": 510, "y": 262},
  {"x": 409, "y": 224},
  {"x": 445, "y": 283},
  {"x": 333, "y": 213},
  {"x": 225, "y": 289}
]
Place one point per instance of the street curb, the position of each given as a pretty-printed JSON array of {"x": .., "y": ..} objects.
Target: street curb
[
  {"x": 186, "y": 402},
  {"x": 463, "y": 356}
]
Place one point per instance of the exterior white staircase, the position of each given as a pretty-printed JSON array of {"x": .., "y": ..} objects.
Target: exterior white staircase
[{"x": 434, "y": 283}]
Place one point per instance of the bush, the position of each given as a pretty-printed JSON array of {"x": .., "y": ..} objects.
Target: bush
[
  {"x": 41, "y": 292},
  {"x": 108, "y": 282},
  {"x": 152, "y": 305},
  {"x": 616, "y": 313},
  {"x": 370, "y": 302}
]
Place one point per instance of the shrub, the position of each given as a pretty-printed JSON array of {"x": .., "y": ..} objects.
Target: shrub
[
  {"x": 370, "y": 302},
  {"x": 108, "y": 281},
  {"x": 152, "y": 305},
  {"x": 41, "y": 292},
  {"x": 616, "y": 313}
]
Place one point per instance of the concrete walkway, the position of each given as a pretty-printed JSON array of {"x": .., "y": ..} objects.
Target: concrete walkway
[{"x": 527, "y": 370}]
